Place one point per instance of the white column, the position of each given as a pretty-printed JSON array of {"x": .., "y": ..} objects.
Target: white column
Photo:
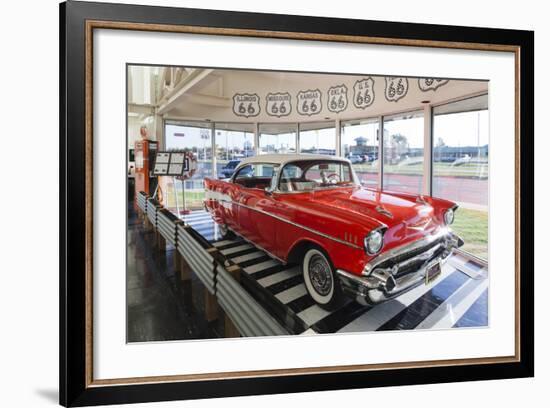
[
  {"x": 428, "y": 150},
  {"x": 256, "y": 139},
  {"x": 213, "y": 147},
  {"x": 381, "y": 152},
  {"x": 338, "y": 135},
  {"x": 297, "y": 138}
]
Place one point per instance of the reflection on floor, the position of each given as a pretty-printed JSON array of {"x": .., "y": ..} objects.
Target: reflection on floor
[{"x": 160, "y": 307}]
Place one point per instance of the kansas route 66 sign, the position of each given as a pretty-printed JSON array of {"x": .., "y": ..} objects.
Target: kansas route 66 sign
[
  {"x": 431, "y": 84},
  {"x": 363, "y": 93},
  {"x": 278, "y": 104},
  {"x": 337, "y": 98},
  {"x": 396, "y": 88},
  {"x": 247, "y": 105},
  {"x": 309, "y": 102}
]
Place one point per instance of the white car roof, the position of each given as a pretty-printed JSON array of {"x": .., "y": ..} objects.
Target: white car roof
[{"x": 288, "y": 157}]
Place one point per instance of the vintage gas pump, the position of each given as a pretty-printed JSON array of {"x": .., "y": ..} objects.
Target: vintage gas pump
[{"x": 145, "y": 151}]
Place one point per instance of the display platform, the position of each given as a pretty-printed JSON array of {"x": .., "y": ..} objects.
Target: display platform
[{"x": 458, "y": 298}]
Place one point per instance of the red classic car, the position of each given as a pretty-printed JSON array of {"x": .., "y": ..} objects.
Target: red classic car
[{"x": 312, "y": 210}]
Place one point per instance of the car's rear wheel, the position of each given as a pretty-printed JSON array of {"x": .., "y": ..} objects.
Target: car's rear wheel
[
  {"x": 225, "y": 232},
  {"x": 320, "y": 279}
]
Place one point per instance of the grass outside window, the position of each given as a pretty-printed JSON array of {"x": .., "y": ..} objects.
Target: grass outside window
[{"x": 472, "y": 226}]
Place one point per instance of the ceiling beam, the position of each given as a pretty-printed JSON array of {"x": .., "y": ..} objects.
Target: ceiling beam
[
  {"x": 141, "y": 109},
  {"x": 189, "y": 82},
  {"x": 208, "y": 100}
]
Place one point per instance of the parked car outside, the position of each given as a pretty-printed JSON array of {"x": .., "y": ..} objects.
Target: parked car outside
[
  {"x": 227, "y": 170},
  {"x": 355, "y": 158}
]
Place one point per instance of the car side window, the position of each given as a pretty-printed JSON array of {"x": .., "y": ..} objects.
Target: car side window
[
  {"x": 245, "y": 171},
  {"x": 256, "y": 175}
]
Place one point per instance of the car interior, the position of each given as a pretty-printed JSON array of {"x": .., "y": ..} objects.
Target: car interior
[{"x": 296, "y": 177}]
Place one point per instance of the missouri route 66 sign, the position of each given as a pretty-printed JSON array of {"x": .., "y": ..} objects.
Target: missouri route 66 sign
[
  {"x": 396, "y": 88},
  {"x": 363, "y": 93},
  {"x": 278, "y": 104},
  {"x": 337, "y": 98},
  {"x": 431, "y": 84},
  {"x": 247, "y": 105}
]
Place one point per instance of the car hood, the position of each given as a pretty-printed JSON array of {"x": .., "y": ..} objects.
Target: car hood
[{"x": 405, "y": 218}]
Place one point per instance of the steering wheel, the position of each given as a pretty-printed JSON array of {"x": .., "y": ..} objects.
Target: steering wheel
[{"x": 332, "y": 178}]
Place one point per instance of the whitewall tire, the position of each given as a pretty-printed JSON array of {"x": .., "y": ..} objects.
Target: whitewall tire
[{"x": 320, "y": 279}]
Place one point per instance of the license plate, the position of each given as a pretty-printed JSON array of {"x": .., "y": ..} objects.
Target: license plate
[{"x": 433, "y": 272}]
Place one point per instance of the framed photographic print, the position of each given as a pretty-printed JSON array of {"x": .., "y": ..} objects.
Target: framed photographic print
[{"x": 255, "y": 203}]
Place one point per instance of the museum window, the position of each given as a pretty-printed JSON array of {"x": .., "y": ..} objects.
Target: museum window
[
  {"x": 461, "y": 167},
  {"x": 403, "y": 166},
  {"x": 359, "y": 143},
  {"x": 197, "y": 138},
  {"x": 277, "y": 138},
  {"x": 318, "y": 138},
  {"x": 234, "y": 142}
]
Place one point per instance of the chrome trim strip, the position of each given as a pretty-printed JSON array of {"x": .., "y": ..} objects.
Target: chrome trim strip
[
  {"x": 383, "y": 211},
  {"x": 301, "y": 226}
]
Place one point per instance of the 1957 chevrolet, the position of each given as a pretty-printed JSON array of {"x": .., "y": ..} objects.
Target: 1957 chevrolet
[{"x": 312, "y": 210}]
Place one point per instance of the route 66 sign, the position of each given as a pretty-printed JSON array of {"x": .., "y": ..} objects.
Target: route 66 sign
[
  {"x": 246, "y": 105},
  {"x": 431, "y": 84},
  {"x": 278, "y": 104},
  {"x": 309, "y": 102},
  {"x": 337, "y": 98},
  {"x": 363, "y": 93},
  {"x": 396, "y": 88}
]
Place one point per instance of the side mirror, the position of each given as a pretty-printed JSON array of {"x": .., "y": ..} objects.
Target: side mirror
[{"x": 268, "y": 191}]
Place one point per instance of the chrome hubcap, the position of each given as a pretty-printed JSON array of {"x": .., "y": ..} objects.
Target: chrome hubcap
[{"x": 320, "y": 275}]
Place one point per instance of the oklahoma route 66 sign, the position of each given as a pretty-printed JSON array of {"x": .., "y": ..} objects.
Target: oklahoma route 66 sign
[
  {"x": 309, "y": 102},
  {"x": 363, "y": 93},
  {"x": 396, "y": 88},
  {"x": 247, "y": 105},
  {"x": 278, "y": 104},
  {"x": 337, "y": 98}
]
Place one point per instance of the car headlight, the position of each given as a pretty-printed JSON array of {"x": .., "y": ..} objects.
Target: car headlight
[
  {"x": 449, "y": 216},
  {"x": 374, "y": 242}
]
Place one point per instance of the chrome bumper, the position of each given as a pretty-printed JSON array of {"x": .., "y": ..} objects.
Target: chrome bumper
[{"x": 396, "y": 271}]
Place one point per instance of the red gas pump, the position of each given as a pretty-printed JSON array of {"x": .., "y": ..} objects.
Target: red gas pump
[{"x": 144, "y": 152}]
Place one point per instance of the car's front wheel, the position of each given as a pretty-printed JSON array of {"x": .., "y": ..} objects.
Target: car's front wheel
[{"x": 320, "y": 279}]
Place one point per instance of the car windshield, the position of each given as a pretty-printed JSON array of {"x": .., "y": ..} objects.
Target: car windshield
[{"x": 309, "y": 175}]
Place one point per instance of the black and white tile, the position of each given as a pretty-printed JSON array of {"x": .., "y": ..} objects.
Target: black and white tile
[{"x": 458, "y": 298}]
